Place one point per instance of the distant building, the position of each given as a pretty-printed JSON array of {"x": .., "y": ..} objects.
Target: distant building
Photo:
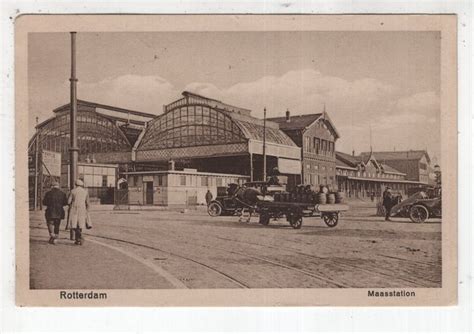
[
  {"x": 178, "y": 188},
  {"x": 415, "y": 164},
  {"x": 316, "y": 135},
  {"x": 365, "y": 176}
]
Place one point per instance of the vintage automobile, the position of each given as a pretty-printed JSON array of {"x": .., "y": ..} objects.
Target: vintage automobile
[
  {"x": 420, "y": 206},
  {"x": 227, "y": 204}
]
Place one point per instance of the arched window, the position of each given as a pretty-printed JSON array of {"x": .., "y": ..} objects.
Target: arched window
[
  {"x": 95, "y": 134},
  {"x": 191, "y": 125}
]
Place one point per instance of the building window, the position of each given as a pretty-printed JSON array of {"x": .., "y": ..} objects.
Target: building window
[
  {"x": 135, "y": 181},
  {"x": 219, "y": 182},
  {"x": 316, "y": 145},
  {"x": 204, "y": 181},
  {"x": 182, "y": 180},
  {"x": 423, "y": 166},
  {"x": 160, "y": 180},
  {"x": 306, "y": 144},
  {"x": 104, "y": 180}
]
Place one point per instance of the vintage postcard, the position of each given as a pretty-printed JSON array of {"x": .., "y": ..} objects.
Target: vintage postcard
[{"x": 236, "y": 160}]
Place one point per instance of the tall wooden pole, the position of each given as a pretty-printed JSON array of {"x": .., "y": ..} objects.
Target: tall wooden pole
[
  {"x": 73, "y": 150},
  {"x": 264, "y": 144}
]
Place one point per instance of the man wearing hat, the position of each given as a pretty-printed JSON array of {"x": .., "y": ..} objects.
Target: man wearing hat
[
  {"x": 387, "y": 202},
  {"x": 54, "y": 200},
  {"x": 78, "y": 210}
]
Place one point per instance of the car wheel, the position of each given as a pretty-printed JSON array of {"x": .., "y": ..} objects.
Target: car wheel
[
  {"x": 419, "y": 214},
  {"x": 214, "y": 209}
]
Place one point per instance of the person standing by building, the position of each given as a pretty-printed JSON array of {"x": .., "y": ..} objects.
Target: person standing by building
[
  {"x": 78, "y": 213},
  {"x": 387, "y": 202},
  {"x": 54, "y": 200},
  {"x": 208, "y": 197}
]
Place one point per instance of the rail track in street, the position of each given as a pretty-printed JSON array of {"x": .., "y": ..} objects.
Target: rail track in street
[{"x": 221, "y": 272}]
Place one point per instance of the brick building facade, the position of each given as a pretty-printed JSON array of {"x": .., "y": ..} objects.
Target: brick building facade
[{"x": 316, "y": 135}]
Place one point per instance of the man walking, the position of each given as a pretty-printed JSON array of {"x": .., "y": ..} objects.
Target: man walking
[
  {"x": 54, "y": 200},
  {"x": 387, "y": 202},
  {"x": 78, "y": 213},
  {"x": 208, "y": 197}
]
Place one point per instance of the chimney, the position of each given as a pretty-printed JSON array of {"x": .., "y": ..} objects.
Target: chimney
[
  {"x": 287, "y": 115},
  {"x": 353, "y": 152}
]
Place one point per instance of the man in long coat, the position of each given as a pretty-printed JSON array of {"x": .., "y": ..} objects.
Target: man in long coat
[
  {"x": 387, "y": 202},
  {"x": 54, "y": 200},
  {"x": 78, "y": 210},
  {"x": 208, "y": 197}
]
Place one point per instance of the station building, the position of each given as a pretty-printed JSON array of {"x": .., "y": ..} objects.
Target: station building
[
  {"x": 199, "y": 143},
  {"x": 316, "y": 135},
  {"x": 211, "y": 136},
  {"x": 414, "y": 163},
  {"x": 106, "y": 136},
  {"x": 364, "y": 176}
]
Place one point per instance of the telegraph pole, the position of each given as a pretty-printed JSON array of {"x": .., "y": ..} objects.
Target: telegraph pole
[
  {"x": 73, "y": 150},
  {"x": 264, "y": 144}
]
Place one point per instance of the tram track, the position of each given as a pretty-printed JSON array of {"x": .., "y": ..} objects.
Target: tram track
[
  {"x": 213, "y": 269},
  {"x": 192, "y": 242},
  {"x": 343, "y": 262},
  {"x": 220, "y": 272}
]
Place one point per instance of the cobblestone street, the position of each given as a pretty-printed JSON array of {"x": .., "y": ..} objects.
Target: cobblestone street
[{"x": 170, "y": 249}]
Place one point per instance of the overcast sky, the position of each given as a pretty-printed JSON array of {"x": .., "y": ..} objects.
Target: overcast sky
[{"x": 387, "y": 81}]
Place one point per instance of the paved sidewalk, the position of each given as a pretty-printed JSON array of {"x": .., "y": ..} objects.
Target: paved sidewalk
[{"x": 91, "y": 266}]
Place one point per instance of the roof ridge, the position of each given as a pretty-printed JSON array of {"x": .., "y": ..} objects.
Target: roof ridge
[{"x": 106, "y": 106}]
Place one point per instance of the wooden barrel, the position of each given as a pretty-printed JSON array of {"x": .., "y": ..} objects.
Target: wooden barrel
[
  {"x": 331, "y": 198},
  {"x": 277, "y": 197},
  {"x": 299, "y": 197},
  {"x": 339, "y": 197},
  {"x": 307, "y": 198},
  {"x": 322, "y": 198},
  {"x": 292, "y": 197}
]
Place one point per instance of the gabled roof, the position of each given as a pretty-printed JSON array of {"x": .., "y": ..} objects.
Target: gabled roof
[
  {"x": 347, "y": 160},
  {"x": 350, "y": 160},
  {"x": 343, "y": 164},
  {"x": 303, "y": 122},
  {"x": 298, "y": 122},
  {"x": 399, "y": 155},
  {"x": 388, "y": 169}
]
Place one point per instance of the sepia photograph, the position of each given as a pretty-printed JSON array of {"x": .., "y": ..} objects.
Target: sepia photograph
[{"x": 280, "y": 160}]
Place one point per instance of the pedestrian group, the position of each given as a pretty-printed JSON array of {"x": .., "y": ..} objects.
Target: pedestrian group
[{"x": 78, "y": 213}]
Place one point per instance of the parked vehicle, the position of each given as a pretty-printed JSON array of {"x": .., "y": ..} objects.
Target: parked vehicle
[
  {"x": 420, "y": 206},
  {"x": 272, "y": 202}
]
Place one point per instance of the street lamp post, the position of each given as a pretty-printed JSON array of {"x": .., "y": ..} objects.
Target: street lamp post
[{"x": 73, "y": 149}]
